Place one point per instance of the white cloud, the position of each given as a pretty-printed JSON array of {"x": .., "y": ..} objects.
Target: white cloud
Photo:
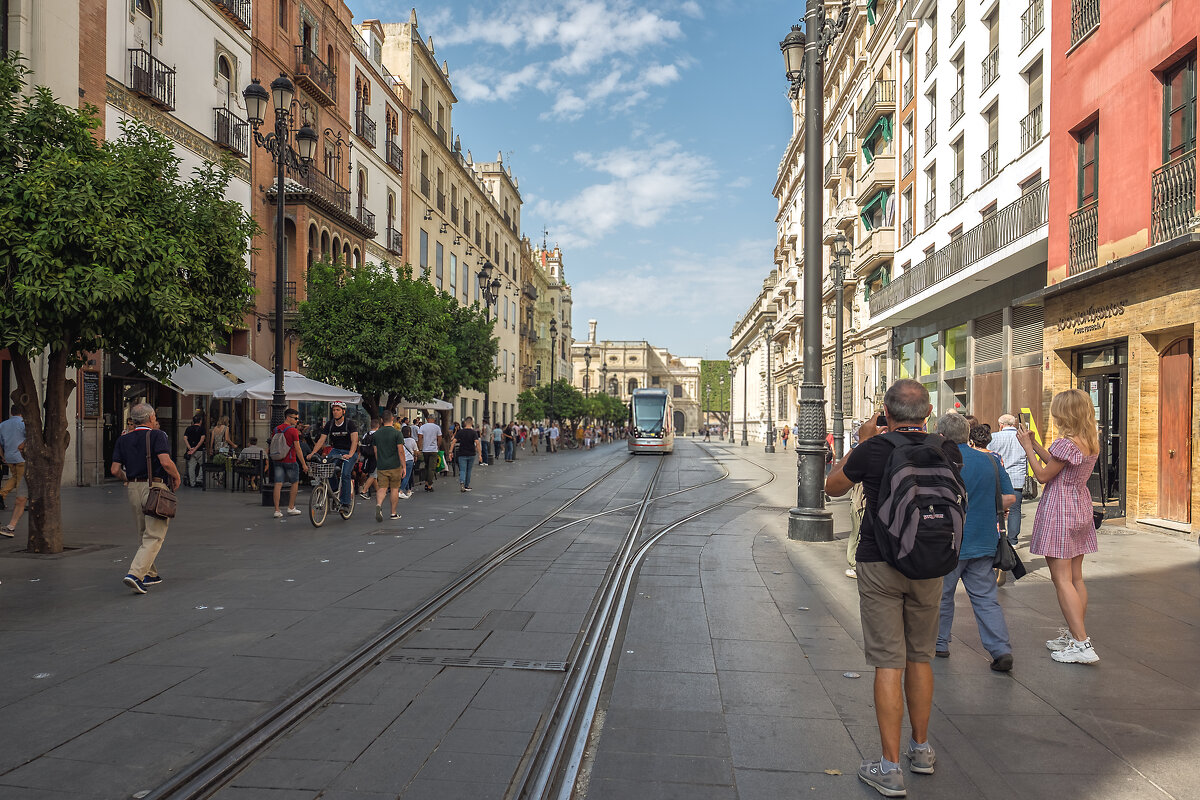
[{"x": 660, "y": 74}]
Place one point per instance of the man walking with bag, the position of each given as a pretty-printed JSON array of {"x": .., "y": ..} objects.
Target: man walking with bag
[{"x": 142, "y": 458}]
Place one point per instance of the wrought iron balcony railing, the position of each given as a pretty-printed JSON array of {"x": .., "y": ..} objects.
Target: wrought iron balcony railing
[
  {"x": 930, "y": 136},
  {"x": 989, "y": 164},
  {"x": 441, "y": 200},
  {"x": 991, "y": 68},
  {"x": 364, "y": 126},
  {"x": 829, "y": 171},
  {"x": 366, "y": 219},
  {"x": 152, "y": 79},
  {"x": 1031, "y": 129},
  {"x": 956, "y": 190},
  {"x": 1173, "y": 198},
  {"x": 316, "y": 74},
  {"x": 289, "y": 293},
  {"x": 1085, "y": 17},
  {"x": 931, "y": 210},
  {"x": 906, "y": 232},
  {"x": 237, "y": 10},
  {"x": 395, "y": 156},
  {"x": 906, "y": 161},
  {"x": 1031, "y": 22},
  {"x": 956, "y": 106},
  {"x": 1083, "y": 238},
  {"x": 846, "y": 148},
  {"x": 930, "y": 58},
  {"x": 423, "y": 112},
  {"x": 958, "y": 20},
  {"x": 425, "y": 185},
  {"x": 395, "y": 241},
  {"x": 909, "y": 89},
  {"x": 879, "y": 99},
  {"x": 231, "y": 132}
]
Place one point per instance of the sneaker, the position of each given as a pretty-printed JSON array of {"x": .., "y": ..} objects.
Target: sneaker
[
  {"x": 1001, "y": 577},
  {"x": 462, "y": 488},
  {"x": 7, "y": 532},
  {"x": 294, "y": 512},
  {"x": 278, "y": 514},
  {"x": 852, "y": 573},
  {"x": 394, "y": 517},
  {"x": 379, "y": 513},
  {"x": 920, "y": 759},
  {"x": 346, "y": 508},
  {"x": 1002, "y": 663},
  {"x": 888, "y": 784},
  {"x": 364, "y": 496},
  {"x": 468, "y": 488},
  {"x": 1061, "y": 641},
  {"x": 1076, "y": 653},
  {"x": 151, "y": 580},
  {"x": 133, "y": 583}
]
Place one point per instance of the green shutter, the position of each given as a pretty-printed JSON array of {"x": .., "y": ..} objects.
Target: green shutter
[
  {"x": 882, "y": 127},
  {"x": 882, "y": 274},
  {"x": 871, "y": 15},
  {"x": 880, "y": 198}
]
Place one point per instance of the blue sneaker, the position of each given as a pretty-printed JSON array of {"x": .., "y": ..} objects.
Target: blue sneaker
[
  {"x": 133, "y": 583},
  {"x": 151, "y": 580}
]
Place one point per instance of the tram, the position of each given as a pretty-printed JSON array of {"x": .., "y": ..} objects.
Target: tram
[{"x": 651, "y": 415}]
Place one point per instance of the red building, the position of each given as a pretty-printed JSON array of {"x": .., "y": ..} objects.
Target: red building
[{"x": 1122, "y": 301}]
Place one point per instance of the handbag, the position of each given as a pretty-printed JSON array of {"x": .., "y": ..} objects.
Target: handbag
[
  {"x": 1006, "y": 558},
  {"x": 161, "y": 502},
  {"x": 1030, "y": 490}
]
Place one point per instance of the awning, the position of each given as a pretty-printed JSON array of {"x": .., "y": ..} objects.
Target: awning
[
  {"x": 240, "y": 367},
  {"x": 197, "y": 378},
  {"x": 434, "y": 405},
  {"x": 880, "y": 199},
  {"x": 883, "y": 274},
  {"x": 882, "y": 127},
  {"x": 295, "y": 387}
]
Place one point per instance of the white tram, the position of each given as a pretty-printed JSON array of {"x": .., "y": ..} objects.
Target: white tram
[{"x": 651, "y": 420}]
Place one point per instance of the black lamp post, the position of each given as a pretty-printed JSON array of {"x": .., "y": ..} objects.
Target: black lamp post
[
  {"x": 745, "y": 396},
  {"x": 804, "y": 60},
  {"x": 768, "y": 332},
  {"x": 732, "y": 372},
  {"x": 490, "y": 289},
  {"x": 587, "y": 370},
  {"x": 282, "y": 96},
  {"x": 604, "y": 378},
  {"x": 841, "y": 259},
  {"x": 553, "y": 358}
]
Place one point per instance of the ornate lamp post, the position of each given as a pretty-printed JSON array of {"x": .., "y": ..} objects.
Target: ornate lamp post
[
  {"x": 587, "y": 370},
  {"x": 553, "y": 358},
  {"x": 604, "y": 379},
  {"x": 841, "y": 260},
  {"x": 282, "y": 96},
  {"x": 745, "y": 396},
  {"x": 804, "y": 59},
  {"x": 732, "y": 372},
  {"x": 489, "y": 287},
  {"x": 768, "y": 332}
]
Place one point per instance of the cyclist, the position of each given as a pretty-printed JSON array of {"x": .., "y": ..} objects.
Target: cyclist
[{"x": 342, "y": 436}]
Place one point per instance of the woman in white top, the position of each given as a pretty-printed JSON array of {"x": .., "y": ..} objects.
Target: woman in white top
[{"x": 410, "y": 447}]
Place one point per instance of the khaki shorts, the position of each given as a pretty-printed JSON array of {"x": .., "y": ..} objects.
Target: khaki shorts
[
  {"x": 16, "y": 473},
  {"x": 899, "y": 615},
  {"x": 390, "y": 478}
]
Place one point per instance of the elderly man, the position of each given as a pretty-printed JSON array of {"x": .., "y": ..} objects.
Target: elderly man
[
  {"x": 1004, "y": 444},
  {"x": 130, "y": 463}
]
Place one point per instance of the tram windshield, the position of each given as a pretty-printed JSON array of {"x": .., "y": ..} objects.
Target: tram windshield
[{"x": 649, "y": 413}]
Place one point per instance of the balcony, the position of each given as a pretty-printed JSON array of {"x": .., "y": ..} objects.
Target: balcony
[
  {"x": 829, "y": 230},
  {"x": 956, "y": 190},
  {"x": 879, "y": 174},
  {"x": 958, "y": 20},
  {"x": 906, "y": 232},
  {"x": 238, "y": 11},
  {"x": 1173, "y": 198},
  {"x": 930, "y": 136},
  {"x": 909, "y": 89},
  {"x": 367, "y": 220},
  {"x": 152, "y": 79},
  {"x": 425, "y": 185},
  {"x": 880, "y": 99},
  {"x": 832, "y": 176},
  {"x": 1031, "y": 129},
  {"x": 1031, "y": 22},
  {"x": 364, "y": 126},
  {"x": 930, "y": 58},
  {"x": 1085, "y": 18},
  {"x": 989, "y": 163},
  {"x": 906, "y": 161},
  {"x": 1008, "y": 225},
  {"x": 931, "y": 211},
  {"x": 315, "y": 76},
  {"x": 906, "y": 21},
  {"x": 322, "y": 192},
  {"x": 991, "y": 68},
  {"x": 289, "y": 293},
  {"x": 845, "y": 213},
  {"x": 846, "y": 152},
  {"x": 441, "y": 201},
  {"x": 394, "y": 241},
  {"x": 466, "y": 223},
  {"x": 1083, "y": 238},
  {"x": 231, "y": 132},
  {"x": 395, "y": 156},
  {"x": 877, "y": 245},
  {"x": 956, "y": 106}
]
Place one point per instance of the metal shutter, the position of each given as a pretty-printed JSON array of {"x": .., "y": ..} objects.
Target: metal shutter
[
  {"x": 1027, "y": 330},
  {"x": 989, "y": 337}
]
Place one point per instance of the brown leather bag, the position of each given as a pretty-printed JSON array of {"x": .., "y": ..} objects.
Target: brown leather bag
[{"x": 161, "y": 503}]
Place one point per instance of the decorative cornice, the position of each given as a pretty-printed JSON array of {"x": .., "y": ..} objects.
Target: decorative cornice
[{"x": 128, "y": 103}]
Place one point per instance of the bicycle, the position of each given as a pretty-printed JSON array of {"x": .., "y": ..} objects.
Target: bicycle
[{"x": 324, "y": 497}]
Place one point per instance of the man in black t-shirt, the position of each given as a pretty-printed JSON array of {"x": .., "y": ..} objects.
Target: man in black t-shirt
[
  {"x": 195, "y": 435},
  {"x": 342, "y": 436},
  {"x": 467, "y": 445},
  {"x": 899, "y": 615}
]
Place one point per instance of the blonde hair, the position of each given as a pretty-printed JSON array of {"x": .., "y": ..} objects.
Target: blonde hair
[
  {"x": 224, "y": 420},
  {"x": 1076, "y": 418}
]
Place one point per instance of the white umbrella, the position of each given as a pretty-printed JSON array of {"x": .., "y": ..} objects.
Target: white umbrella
[
  {"x": 435, "y": 405},
  {"x": 295, "y": 386}
]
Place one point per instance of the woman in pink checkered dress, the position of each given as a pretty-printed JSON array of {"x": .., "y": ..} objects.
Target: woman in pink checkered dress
[{"x": 1063, "y": 529}]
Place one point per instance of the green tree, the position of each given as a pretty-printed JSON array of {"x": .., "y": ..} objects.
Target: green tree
[
  {"x": 471, "y": 360},
  {"x": 530, "y": 406},
  {"x": 103, "y": 245},
  {"x": 714, "y": 390}
]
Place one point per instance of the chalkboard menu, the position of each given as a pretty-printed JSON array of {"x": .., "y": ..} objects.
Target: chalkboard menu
[{"x": 91, "y": 394}]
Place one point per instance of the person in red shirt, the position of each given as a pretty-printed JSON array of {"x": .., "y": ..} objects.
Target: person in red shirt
[{"x": 288, "y": 470}]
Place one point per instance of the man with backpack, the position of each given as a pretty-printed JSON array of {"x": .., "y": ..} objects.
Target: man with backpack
[
  {"x": 910, "y": 536},
  {"x": 287, "y": 459}
]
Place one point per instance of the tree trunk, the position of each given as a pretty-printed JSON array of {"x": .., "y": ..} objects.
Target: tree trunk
[{"x": 46, "y": 440}]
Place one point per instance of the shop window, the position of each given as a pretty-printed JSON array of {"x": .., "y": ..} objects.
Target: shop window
[
  {"x": 929, "y": 355},
  {"x": 956, "y": 348},
  {"x": 908, "y": 360}
]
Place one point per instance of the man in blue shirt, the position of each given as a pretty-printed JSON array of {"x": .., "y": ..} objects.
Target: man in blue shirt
[
  {"x": 1004, "y": 444},
  {"x": 12, "y": 450},
  {"x": 983, "y": 477}
]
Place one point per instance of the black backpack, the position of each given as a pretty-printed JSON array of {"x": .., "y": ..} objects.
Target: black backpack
[{"x": 921, "y": 508}]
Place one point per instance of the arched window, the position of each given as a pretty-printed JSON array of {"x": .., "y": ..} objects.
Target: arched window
[
  {"x": 633, "y": 384},
  {"x": 324, "y": 244},
  {"x": 357, "y": 259},
  {"x": 614, "y": 387},
  {"x": 337, "y": 248},
  {"x": 345, "y": 252},
  {"x": 224, "y": 78},
  {"x": 312, "y": 244},
  {"x": 362, "y": 190},
  {"x": 537, "y": 371}
]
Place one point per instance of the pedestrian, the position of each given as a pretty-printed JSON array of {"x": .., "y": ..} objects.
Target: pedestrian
[
  {"x": 369, "y": 466},
  {"x": 553, "y": 438},
  {"x": 430, "y": 437},
  {"x": 410, "y": 461},
  {"x": 899, "y": 614},
  {"x": 467, "y": 447},
  {"x": 252, "y": 453},
  {"x": 509, "y": 438},
  {"x": 286, "y": 470},
  {"x": 142, "y": 459},
  {"x": 497, "y": 440},
  {"x": 390, "y": 463},
  {"x": 534, "y": 435},
  {"x": 193, "y": 457},
  {"x": 12, "y": 453},
  {"x": 985, "y": 480},
  {"x": 1016, "y": 464},
  {"x": 786, "y": 432},
  {"x": 342, "y": 436},
  {"x": 1064, "y": 530},
  {"x": 221, "y": 442}
]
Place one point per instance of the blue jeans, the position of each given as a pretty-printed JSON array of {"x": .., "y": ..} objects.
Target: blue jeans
[
  {"x": 347, "y": 470},
  {"x": 1014, "y": 518},
  {"x": 465, "y": 465},
  {"x": 409, "y": 468},
  {"x": 979, "y": 579},
  {"x": 508, "y": 450}
]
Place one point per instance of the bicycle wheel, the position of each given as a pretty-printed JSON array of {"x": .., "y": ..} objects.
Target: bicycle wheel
[
  {"x": 348, "y": 510},
  {"x": 317, "y": 506}
]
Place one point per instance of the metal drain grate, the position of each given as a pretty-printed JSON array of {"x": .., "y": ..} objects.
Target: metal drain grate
[{"x": 486, "y": 663}]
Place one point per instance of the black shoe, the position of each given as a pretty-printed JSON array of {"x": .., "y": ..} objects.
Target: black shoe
[
  {"x": 942, "y": 654},
  {"x": 133, "y": 583},
  {"x": 151, "y": 580},
  {"x": 1002, "y": 663}
]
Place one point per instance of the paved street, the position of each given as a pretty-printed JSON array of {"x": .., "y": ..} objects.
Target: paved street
[{"x": 731, "y": 680}]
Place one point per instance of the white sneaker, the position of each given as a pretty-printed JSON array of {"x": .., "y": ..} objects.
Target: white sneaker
[
  {"x": 1076, "y": 653},
  {"x": 1061, "y": 641},
  {"x": 851, "y": 573},
  {"x": 294, "y": 512}
]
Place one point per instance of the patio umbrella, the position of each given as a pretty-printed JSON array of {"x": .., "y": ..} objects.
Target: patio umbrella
[
  {"x": 435, "y": 405},
  {"x": 295, "y": 386}
]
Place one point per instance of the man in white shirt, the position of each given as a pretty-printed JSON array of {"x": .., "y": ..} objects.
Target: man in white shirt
[
  {"x": 430, "y": 437},
  {"x": 1004, "y": 444},
  {"x": 553, "y": 438}
]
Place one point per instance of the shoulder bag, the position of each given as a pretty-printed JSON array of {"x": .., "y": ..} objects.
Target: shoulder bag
[
  {"x": 1006, "y": 558},
  {"x": 160, "y": 502}
]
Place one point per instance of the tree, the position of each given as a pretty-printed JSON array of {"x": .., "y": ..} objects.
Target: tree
[
  {"x": 530, "y": 406},
  {"x": 103, "y": 246},
  {"x": 714, "y": 389},
  {"x": 471, "y": 364}
]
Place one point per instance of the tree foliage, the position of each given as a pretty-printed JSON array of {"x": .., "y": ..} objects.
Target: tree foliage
[
  {"x": 603, "y": 407},
  {"x": 103, "y": 245},
  {"x": 563, "y": 402},
  {"x": 714, "y": 386}
]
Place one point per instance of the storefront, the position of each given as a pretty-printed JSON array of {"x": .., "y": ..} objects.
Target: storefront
[{"x": 1125, "y": 333}]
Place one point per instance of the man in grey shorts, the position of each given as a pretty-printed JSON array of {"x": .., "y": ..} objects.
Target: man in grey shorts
[{"x": 899, "y": 615}]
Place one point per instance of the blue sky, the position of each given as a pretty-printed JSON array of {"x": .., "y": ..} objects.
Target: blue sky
[{"x": 645, "y": 137}]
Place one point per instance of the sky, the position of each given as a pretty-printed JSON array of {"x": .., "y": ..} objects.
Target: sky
[{"x": 645, "y": 138}]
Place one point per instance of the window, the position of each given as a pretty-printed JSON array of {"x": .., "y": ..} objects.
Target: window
[
  {"x": 677, "y": 390},
  {"x": 437, "y": 263},
  {"x": 633, "y": 384},
  {"x": 453, "y": 274},
  {"x": 929, "y": 355},
  {"x": 224, "y": 78},
  {"x": 1089, "y": 157},
  {"x": 424, "y": 262},
  {"x": 908, "y": 358},
  {"x": 466, "y": 280},
  {"x": 283, "y": 14},
  {"x": 956, "y": 348},
  {"x": 1179, "y": 109}
]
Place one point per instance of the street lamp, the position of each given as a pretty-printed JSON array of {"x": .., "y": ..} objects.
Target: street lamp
[
  {"x": 490, "y": 289},
  {"x": 732, "y": 372},
  {"x": 604, "y": 378},
  {"x": 804, "y": 59},
  {"x": 841, "y": 259},
  {"x": 745, "y": 394},
  {"x": 587, "y": 370},
  {"x": 282, "y": 95},
  {"x": 768, "y": 332},
  {"x": 553, "y": 358}
]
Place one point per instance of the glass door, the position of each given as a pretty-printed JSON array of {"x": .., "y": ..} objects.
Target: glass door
[{"x": 1106, "y": 483}]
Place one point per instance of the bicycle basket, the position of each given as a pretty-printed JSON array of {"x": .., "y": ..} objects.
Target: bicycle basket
[{"x": 323, "y": 470}]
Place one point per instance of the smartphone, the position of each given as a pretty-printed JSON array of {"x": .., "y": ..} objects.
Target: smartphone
[{"x": 881, "y": 421}]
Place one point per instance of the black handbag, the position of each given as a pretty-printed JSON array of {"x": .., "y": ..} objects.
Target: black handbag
[
  {"x": 1030, "y": 490},
  {"x": 1098, "y": 515},
  {"x": 1006, "y": 558}
]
